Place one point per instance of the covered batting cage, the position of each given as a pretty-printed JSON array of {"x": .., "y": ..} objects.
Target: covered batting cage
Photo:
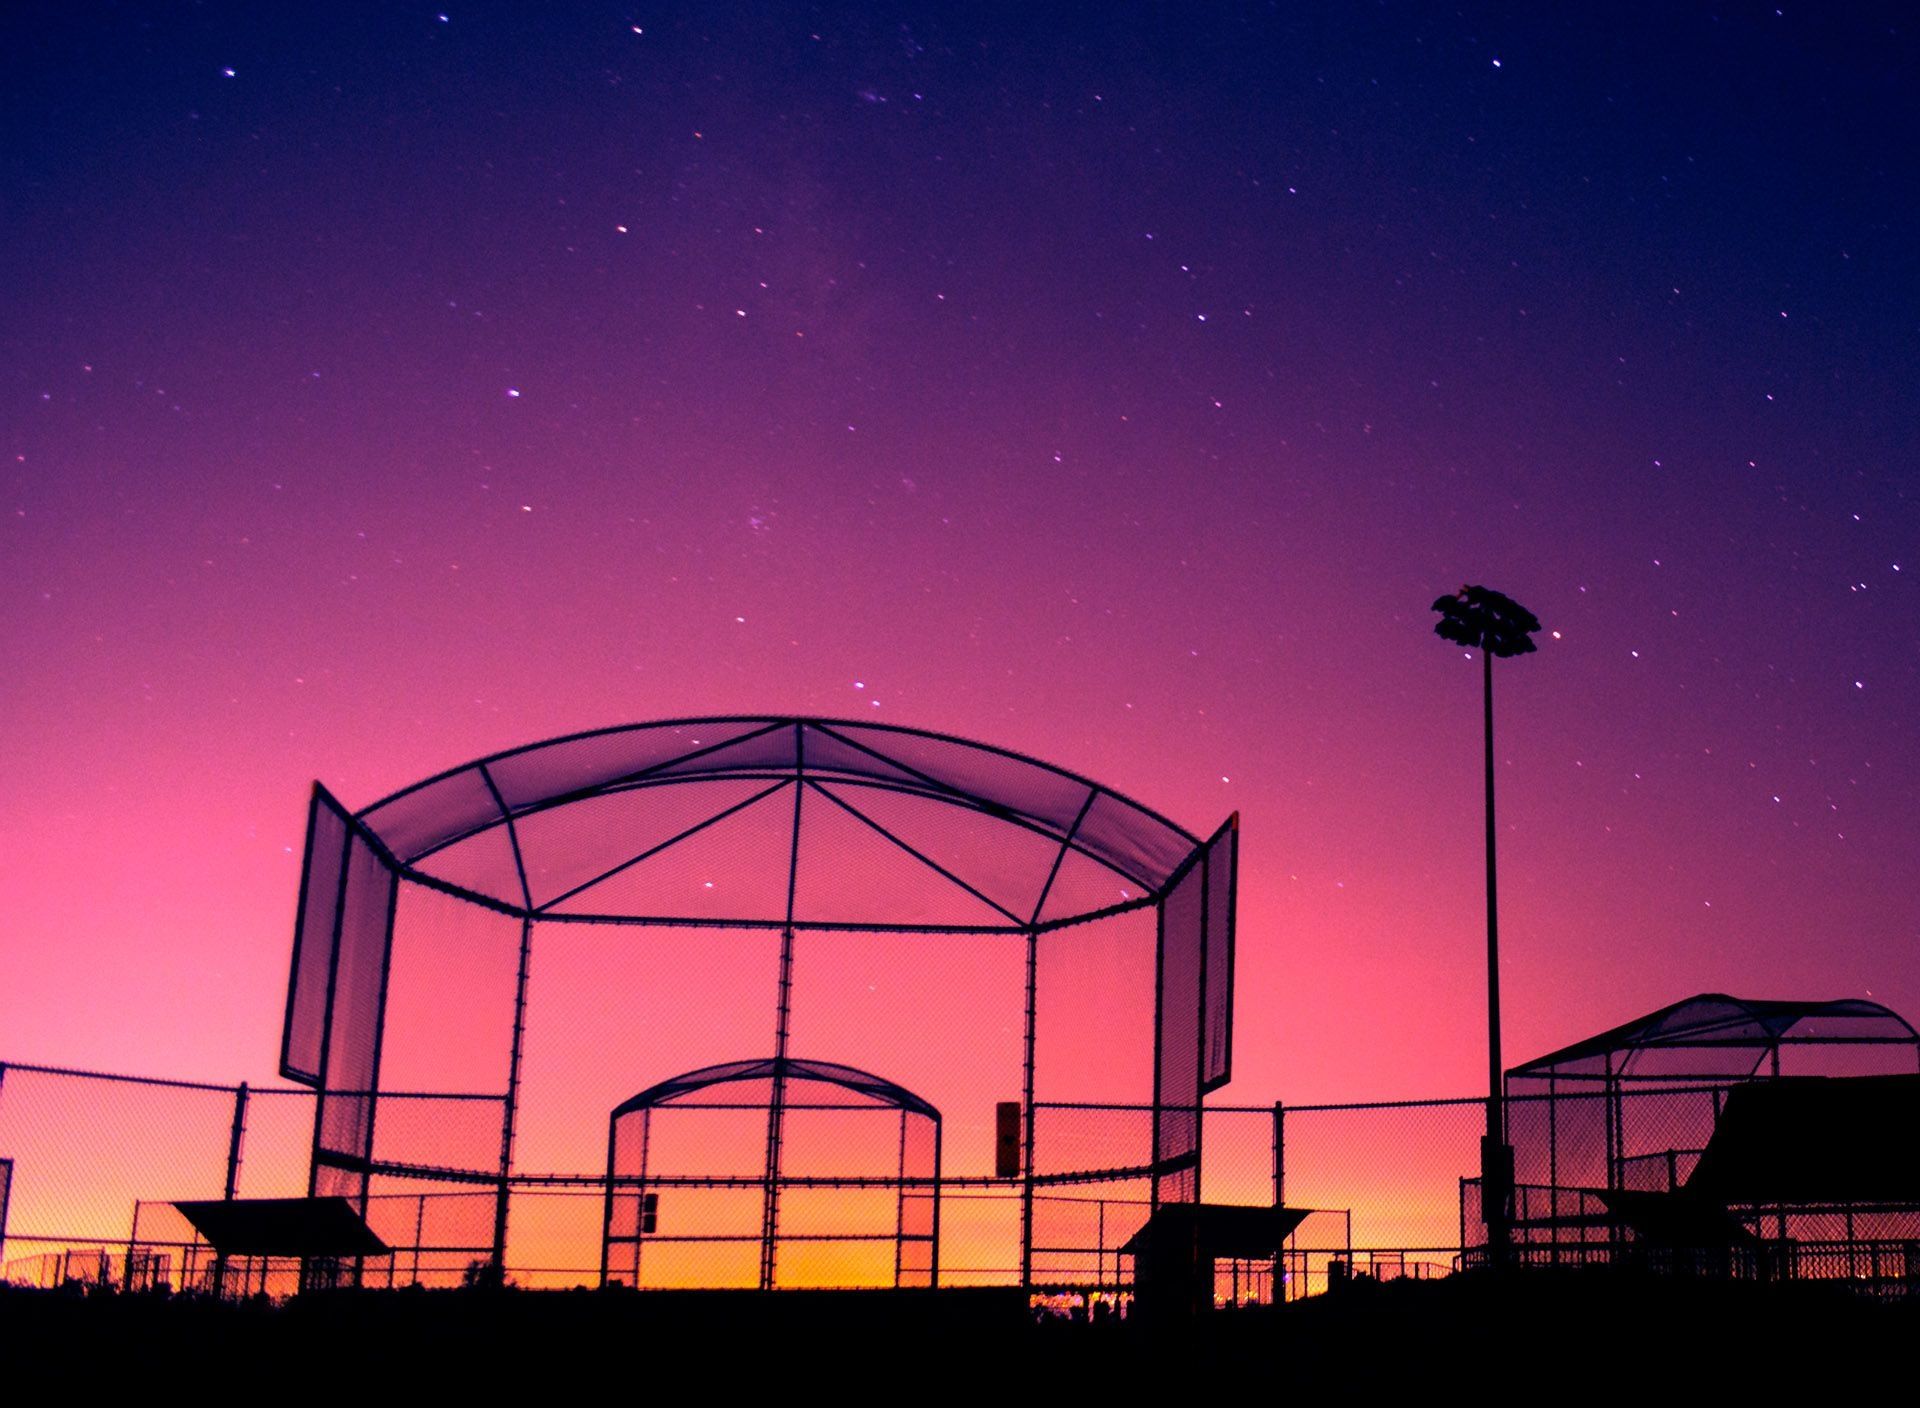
[
  {"x": 487, "y": 963},
  {"x": 1722, "y": 1134}
]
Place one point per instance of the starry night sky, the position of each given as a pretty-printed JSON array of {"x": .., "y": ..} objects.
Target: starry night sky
[{"x": 385, "y": 384}]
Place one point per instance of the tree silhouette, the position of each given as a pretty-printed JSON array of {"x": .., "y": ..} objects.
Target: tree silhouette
[{"x": 1484, "y": 620}]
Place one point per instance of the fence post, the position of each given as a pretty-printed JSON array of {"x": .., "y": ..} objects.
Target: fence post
[
  {"x": 497, "y": 1264},
  {"x": 234, "y": 1140},
  {"x": 1279, "y": 1154},
  {"x": 419, "y": 1233},
  {"x": 6, "y": 1187},
  {"x": 1463, "y": 1223},
  {"x": 1026, "y": 1166}
]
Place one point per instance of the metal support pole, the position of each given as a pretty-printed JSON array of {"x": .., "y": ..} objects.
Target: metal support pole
[
  {"x": 1612, "y": 1116},
  {"x": 1279, "y": 1154},
  {"x": 126, "y": 1266},
  {"x": 1026, "y": 1154},
  {"x": 325, "y": 1083},
  {"x": 6, "y": 1193},
  {"x": 1200, "y": 1042},
  {"x": 606, "y": 1204},
  {"x": 1463, "y": 1219},
  {"x": 777, "y": 1099},
  {"x": 235, "y": 1137},
  {"x": 776, "y": 1120},
  {"x": 900, "y": 1206},
  {"x": 640, "y": 1195},
  {"x": 933, "y": 1255},
  {"x": 1496, "y": 1159},
  {"x": 1159, "y": 1004},
  {"x": 1553, "y": 1163},
  {"x": 498, "y": 1268}
]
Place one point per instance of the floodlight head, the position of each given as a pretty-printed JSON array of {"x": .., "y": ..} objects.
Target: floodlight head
[{"x": 1483, "y": 619}]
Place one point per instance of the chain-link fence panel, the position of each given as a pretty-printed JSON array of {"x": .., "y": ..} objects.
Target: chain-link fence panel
[{"x": 86, "y": 1148}]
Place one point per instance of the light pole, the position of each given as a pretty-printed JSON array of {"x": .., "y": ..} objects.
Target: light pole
[{"x": 1484, "y": 620}]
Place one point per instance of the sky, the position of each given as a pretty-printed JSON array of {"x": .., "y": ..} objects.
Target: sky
[{"x": 385, "y": 385}]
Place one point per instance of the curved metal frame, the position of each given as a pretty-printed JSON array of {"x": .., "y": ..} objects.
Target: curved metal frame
[
  {"x": 1146, "y": 857},
  {"x": 876, "y": 1092},
  {"x": 881, "y": 1090},
  {"x": 1604, "y": 1068},
  {"x": 777, "y": 778},
  {"x": 1775, "y": 1022}
]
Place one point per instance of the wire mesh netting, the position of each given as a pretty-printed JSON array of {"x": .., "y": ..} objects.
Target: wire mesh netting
[
  {"x": 98, "y": 1159},
  {"x": 87, "y": 1148},
  {"x": 1718, "y": 1134},
  {"x": 829, "y": 1176},
  {"x": 550, "y": 928},
  {"x": 488, "y": 964}
]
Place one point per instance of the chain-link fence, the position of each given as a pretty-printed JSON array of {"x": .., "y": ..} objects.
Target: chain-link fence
[
  {"x": 86, "y": 1149},
  {"x": 1382, "y": 1183},
  {"x": 1614, "y": 1175},
  {"x": 91, "y": 1163}
]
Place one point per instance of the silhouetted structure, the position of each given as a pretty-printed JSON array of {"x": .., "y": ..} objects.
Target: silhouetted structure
[
  {"x": 1493, "y": 624},
  {"x": 796, "y": 850},
  {"x": 1723, "y": 1135},
  {"x": 322, "y": 1234},
  {"x": 703, "y": 1138},
  {"x": 1175, "y": 1253}
]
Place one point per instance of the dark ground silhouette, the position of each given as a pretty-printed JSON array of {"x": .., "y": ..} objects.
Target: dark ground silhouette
[{"x": 1543, "y": 1336}]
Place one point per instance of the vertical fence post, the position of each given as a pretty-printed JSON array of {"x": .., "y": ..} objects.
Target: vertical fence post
[
  {"x": 933, "y": 1258},
  {"x": 1553, "y": 1167},
  {"x": 6, "y": 1181},
  {"x": 497, "y": 1270},
  {"x": 1279, "y": 1154},
  {"x": 1159, "y": 1007},
  {"x": 419, "y": 1233},
  {"x": 133, "y": 1239},
  {"x": 1464, "y": 1181},
  {"x": 236, "y": 1136},
  {"x": 1026, "y": 1160},
  {"x": 782, "y": 1032},
  {"x": 777, "y": 1100},
  {"x": 606, "y": 1205},
  {"x": 900, "y": 1205}
]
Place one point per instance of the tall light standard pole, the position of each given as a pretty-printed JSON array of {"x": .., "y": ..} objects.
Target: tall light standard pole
[{"x": 1484, "y": 620}]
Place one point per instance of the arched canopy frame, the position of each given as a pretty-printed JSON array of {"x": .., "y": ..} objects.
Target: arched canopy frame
[
  {"x": 633, "y": 1181},
  {"x": 1720, "y": 1027},
  {"x": 847, "y": 766},
  {"x": 897, "y": 830},
  {"x": 875, "y": 1090}
]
